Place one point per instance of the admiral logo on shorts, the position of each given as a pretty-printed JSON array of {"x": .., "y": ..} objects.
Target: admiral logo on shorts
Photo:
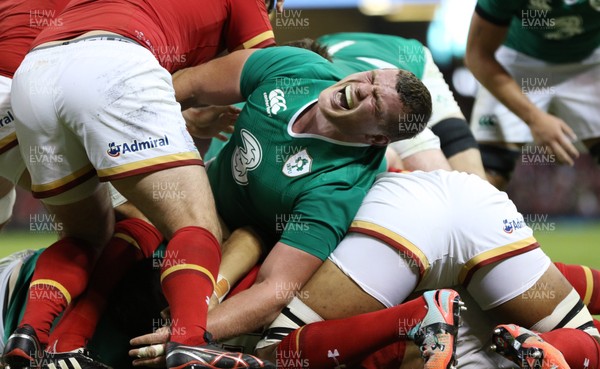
[
  {"x": 511, "y": 225},
  {"x": 7, "y": 119},
  {"x": 115, "y": 150}
]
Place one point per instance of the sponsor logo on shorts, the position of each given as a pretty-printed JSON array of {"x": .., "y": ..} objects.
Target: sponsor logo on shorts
[
  {"x": 116, "y": 150},
  {"x": 275, "y": 101},
  {"x": 297, "y": 164},
  {"x": 7, "y": 119},
  {"x": 511, "y": 225},
  {"x": 246, "y": 157},
  {"x": 488, "y": 120}
]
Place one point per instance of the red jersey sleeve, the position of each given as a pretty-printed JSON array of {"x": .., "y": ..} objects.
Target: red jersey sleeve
[{"x": 249, "y": 25}]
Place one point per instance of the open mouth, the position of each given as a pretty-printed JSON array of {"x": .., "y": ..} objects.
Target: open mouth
[{"x": 345, "y": 98}]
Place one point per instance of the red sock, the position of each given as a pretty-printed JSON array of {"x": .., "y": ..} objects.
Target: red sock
[
  {"x": 189, "y": 271},
  {"x": 133, "y": 240},
  {"x": 324, "y": 344},
  {"x": 586, "y": 282},
  {"x": 581, "y": 351},
  {"x": 61, "y": 274},
  {"x": 389, "y": 357}
]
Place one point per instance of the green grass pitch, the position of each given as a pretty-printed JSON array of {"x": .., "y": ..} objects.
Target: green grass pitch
[{"x": 568, "y": 242}]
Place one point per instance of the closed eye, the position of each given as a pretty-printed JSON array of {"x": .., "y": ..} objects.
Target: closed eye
[
  {"x": 377, "y": 104},
  {"x": 376, "y": 98}
]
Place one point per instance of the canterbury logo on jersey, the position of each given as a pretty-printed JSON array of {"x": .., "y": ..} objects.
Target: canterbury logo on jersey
[
  {"x": 275, "y": 101},
  {"x": 115, "y": 150},
  {"x": 246, "y": 157}
]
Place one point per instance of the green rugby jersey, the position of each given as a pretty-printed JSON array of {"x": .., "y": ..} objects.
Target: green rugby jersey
[
  {"x": 357, "y": 52},
  {"x": 300, "y": 189},
  {"x": 557, "y": 31},
  {"x": 16, "y": 306}
]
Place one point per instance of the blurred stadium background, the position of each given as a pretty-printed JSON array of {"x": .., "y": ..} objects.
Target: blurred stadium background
[{"x": 562, "y": 203}]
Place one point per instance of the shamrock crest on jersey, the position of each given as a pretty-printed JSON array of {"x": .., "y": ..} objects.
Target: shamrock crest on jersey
[
  {"x": 297, "y": 164},
  {"x": 246, "y": 157}
]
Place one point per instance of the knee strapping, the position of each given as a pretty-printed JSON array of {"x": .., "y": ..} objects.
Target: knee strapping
[
  {"x": 292, "y": 317},
  {"x": 569, "y": 313}
]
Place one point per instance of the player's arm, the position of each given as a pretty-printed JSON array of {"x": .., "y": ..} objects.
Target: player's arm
[
  {"x": 249, "y": 26},
  {"x": 285, "y": 270},
  {"x": 447, "y": 122},
  {"x": 421, "y": 152},
  {"x": 283, "y": 273},
  {"x": 240, "y": 253},
  {"x": 211, "y": 121},
  {"x": 214, "y": 83},
  {"x": 484, "y": 39}
]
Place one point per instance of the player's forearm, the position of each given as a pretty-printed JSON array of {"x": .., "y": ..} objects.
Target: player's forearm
[
  {"x": 241, "y": 252},
  {"x": 247, "y": 311},
  {"x": 502, "y": 85},
  {"x": 483, "y": 41},
  {"x": 214, "y": 83}
]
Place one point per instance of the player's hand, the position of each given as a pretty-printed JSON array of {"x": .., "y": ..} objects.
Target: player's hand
[
  {"x": 152, "y": 354},
  {"x": 211, "y": 121},
  {"x": 554, "y": 133}
]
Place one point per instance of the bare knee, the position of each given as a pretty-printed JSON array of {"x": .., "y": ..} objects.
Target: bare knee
[
  {"x": 173, "y": 199},
  {"x": 90, "y": 219}
]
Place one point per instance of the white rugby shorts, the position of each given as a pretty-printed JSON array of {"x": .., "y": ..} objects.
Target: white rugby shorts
[
  {"x": 569, "y": 91},
  {"x": 12, "y": 165},
  {"x": 452, "y": 228},
  {"x": 96, "y": 108}
]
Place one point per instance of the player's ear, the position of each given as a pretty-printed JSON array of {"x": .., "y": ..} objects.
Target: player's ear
[{"x": 378, "y": 140}]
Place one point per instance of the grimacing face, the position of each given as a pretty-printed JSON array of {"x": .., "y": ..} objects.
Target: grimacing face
[{"x": 359, "y": 103}]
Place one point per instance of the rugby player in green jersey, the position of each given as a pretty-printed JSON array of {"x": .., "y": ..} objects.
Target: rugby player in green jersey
[{"x": 539, "y": 64}]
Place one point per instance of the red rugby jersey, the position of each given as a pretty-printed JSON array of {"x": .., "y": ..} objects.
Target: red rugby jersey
[
  {"x": 180, "y": 33},
  {"x": 21, "y": 21}
]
